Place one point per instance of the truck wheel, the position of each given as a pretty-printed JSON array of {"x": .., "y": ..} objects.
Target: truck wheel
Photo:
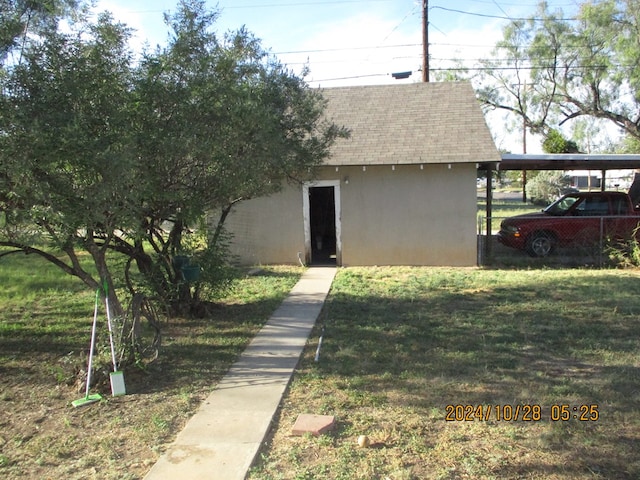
[{"x": 541, "y": 244}]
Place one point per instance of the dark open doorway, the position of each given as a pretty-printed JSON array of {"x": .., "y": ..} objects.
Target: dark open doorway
[{"x": 322, "y": 216}]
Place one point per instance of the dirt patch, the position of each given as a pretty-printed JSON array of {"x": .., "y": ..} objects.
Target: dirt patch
[{"x": 44, "y": 436}]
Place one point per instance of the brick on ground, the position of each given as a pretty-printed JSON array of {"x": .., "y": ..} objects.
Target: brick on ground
[{"x": 313, "y": 424}]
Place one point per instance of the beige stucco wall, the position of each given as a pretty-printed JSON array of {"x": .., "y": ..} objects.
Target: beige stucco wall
[
  {"x": 408, "y": 215},
  {"x": 268, "y": 230}
]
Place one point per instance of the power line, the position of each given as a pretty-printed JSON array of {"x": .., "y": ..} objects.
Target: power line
[
  {"x": 484, "y": 15},
  {"x": 307, "y": 3},
  {"x": 349, "y": 61},
  {"x": 276, "y": 5},
  {"x": 500, "y": 7},
  {"x": 344, "y": 49},
  {"x": 521, "y": 4},
  {"x": 464, "y": 69},
  {"x": 412, "y": 45},
  {"x": 352, "y": 78},
  {"x": 411, "y": 12},
  {"x": 303, "y": 4}
]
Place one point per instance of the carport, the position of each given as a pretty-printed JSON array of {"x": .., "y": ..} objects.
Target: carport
[{"x": 525, "y": 162}]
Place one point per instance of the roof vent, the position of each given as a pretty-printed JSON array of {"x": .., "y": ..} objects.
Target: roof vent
[{"x": 401, "y": 75}]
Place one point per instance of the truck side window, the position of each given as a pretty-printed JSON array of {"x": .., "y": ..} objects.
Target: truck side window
[
  {"x": 581, "y": 208},
  {"x": 594, "y": 207},
  {"x": 561, "y": 207},
  {"x": 619, "y": 205}
]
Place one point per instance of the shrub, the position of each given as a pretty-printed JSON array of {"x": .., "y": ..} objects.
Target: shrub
[
  {"x": 625, "y": 254},
  {"x": 547, "y": 186}
]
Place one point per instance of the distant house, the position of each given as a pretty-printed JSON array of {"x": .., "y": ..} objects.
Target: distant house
[{"x": 400, "y": 191}]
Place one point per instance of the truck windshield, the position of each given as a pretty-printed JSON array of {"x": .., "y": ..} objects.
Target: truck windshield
[{"x": 560, "y": 207}]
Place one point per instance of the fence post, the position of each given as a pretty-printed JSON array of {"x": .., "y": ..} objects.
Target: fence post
[
  {"x": 601, "y": 246},
  {"x": 489, "y": 194},
  {"x": 480, "y": 243}
]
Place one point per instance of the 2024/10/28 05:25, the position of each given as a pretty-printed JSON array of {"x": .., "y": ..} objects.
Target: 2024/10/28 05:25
[{"x": 525, "y": 413}]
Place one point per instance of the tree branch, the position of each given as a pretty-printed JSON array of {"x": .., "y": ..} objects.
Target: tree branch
[{"x": 28, "y": 250}]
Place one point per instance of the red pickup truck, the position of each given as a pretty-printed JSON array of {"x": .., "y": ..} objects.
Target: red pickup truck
[{"x": 574, "y": 220}]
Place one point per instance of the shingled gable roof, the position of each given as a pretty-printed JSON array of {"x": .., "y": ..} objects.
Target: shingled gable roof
[{"x": 417, "y": 123}]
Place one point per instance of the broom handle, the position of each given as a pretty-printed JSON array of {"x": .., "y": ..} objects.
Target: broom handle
[
  {"x": 113, "y": 351},
  {"x": 93, "y": 343}
]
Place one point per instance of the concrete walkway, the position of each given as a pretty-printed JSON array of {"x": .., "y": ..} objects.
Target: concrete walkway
[{"x": 222, "y": 439}]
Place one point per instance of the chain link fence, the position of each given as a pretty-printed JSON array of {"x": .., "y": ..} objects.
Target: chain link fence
[{"x": 568, "y": 241}]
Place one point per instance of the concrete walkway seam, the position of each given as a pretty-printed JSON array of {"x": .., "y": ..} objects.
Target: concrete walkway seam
[{"x": 224, "y": 436}]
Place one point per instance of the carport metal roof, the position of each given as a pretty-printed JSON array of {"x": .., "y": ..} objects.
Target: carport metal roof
[
  {"x": 560, "y": 161},
  {"x": 553, "y": 162},
  {"x": 568, "y": 162}
]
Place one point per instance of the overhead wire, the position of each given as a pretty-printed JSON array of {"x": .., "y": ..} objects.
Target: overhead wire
[
  {"x": 344, "y": 49},
  {"x": 252, "y": 6},
  {"x": 413, "y": 11},
  {"x": 470, "y": 69},
  {"x": 495, "y": 61},
  {"x": 303, "y": 3},
  {"x": 499, "y": 17}
]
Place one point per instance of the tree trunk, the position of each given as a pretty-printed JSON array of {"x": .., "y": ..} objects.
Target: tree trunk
[{"x": 106, "y": 280}]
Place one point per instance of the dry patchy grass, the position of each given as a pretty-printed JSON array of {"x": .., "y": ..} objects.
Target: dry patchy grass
[
  {"x": 45, "y": 323},
  {"x": 400, "y": 344}
]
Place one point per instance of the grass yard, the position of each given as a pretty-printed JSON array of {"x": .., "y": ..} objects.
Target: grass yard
[
  {"x": 502, "y": 208},
  {"x": 45, "y": 322},
  {"x": 405, "y": 348},
  {"x": 508, "y": 204}
]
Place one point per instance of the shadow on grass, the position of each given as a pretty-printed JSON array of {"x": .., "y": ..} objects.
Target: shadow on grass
[
  {"x": 547, "y": 339},
  {"x": 55, "y": 329}
]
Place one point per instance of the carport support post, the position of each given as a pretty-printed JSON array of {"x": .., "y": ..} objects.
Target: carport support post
[{"x": 488, "y": 240}]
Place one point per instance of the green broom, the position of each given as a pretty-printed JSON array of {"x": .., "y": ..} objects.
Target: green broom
[{"x": 96, "y": 397}]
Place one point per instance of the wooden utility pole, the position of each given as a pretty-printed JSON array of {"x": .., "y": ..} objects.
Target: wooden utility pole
[
  {"x": 524, "y": 147},
  {"x": 425, "y": 40},
  {"x": 524, "y": 151}
]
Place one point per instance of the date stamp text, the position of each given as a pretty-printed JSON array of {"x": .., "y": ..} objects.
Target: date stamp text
[{"x": 521, "y": 413}]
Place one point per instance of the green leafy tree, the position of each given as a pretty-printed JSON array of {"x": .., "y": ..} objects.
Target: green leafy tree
[
  {"x": 630, "y": 145},
  {"x": 124, "y": 160},
  {"x": 547, "y": 186},
  {"x": 563, "y": 69},
  {"x": 506, "y": 84},
  {"x": 20, "y": 18},
  {"x": 65, "y": 150},
  {"x": 556, "y": 143},
  {"x": 220, "y": 121}
]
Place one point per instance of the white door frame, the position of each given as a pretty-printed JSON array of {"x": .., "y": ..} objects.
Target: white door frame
[{"x": 307, "y": 216}]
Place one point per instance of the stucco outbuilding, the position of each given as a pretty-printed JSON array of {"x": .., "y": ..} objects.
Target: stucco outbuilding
[{"x": 400, "y": 191}]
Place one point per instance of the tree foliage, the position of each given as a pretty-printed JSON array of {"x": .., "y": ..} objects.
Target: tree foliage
[
  {"x": 547, "y": 186},
  {"x": 554, "y": 142},
  {"x": 124, "y": 159},
  {"x": 566, "y": 68},
  {"x": 65, "y": 156},
  {"x": 21, "y": 19}
]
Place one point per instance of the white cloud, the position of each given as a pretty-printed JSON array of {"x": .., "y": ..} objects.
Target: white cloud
[
  {"x": 361, "y": 49},
  {"x": 147, "y": 25}
]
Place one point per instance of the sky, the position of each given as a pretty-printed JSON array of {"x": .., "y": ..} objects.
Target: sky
[{"x": 353, "y": 42}]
